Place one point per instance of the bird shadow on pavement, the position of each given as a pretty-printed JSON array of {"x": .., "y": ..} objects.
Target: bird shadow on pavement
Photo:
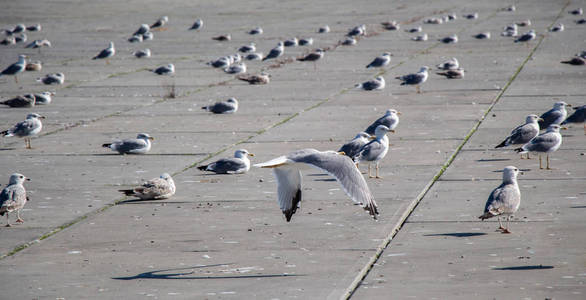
[
  {"x": 176, "y": 273},
  {"x": 524, "y": 268},
  {"x": 457, "y": 234}
]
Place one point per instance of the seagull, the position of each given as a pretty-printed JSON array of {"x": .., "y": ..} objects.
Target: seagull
[
  {"x": 505, "y": 199},
  {"x": 160, "y": 22},
  {"x": 142, "y": 53},
  {"x": 275, "y": 52},
  {"x": 523, "y": 133},
  {"x": 226, "y": 107},
  {"x": 526, "y": 37},
  {"x": 197, "y": 25},
  {"x": 349, "y": 41},
  {"x": 222, "y": 37},
  {"x": 524, "y": 23},
  {"x": 450, "y": 64},
  {"x": 314, "y": 56},
  {"x": 391, "y": 25},
  {"x": 436, "y": 21},
  {"x": 578, "y": 116},
  {"x": 577, "y": 11},
  {"x": 452, "y": 39},
  {"x": 389, "y": 119},
  {"x": 453, "y": 74},
  {"x": 38, "y": 44},
  {"x": 238, "y": 164},
  {"x": 34, "y": 66},
  {"x": 415, "y": 78},
  {"x": 148, "y": 36},
  {"x": 287, "y": 171},
  {"x": 375, "y": 150},
  {"x": 482, "y": 36},
  {"x": 306, "y": 42},
  {"x": 154, "y": 189},
  {"x": 324, "y": 29},
  {"x": 358, "y": 30},
  {"x": 44, "y": 98},
  {"x": 137, "y": 38},
  {"x": 547, "y": 142},
  {"x": 27, "y": 100},
  {"x": 9, "y": 40},
  {"x": 471, "y": 16},
  {"x": 255, "y": 31},
  {"x": 378, "y": 83},
  {"x": 15, "y": 68},
  {"x": 510, "y": 30},
  {"x": 31, "y": 126},
  {"x": 581, "y": 21},
  {"x": 294, "y": 42},
  {"x": 236, "y": 69},
  {"x": 247, "y": 48},
  {"x": 106, "y": 53},
  {"x": 575, "y": 61},
  {"x": 353, "y": 147},
  {"x": 556, "y": 115},
  {"x": 13, "y": 197},
  {"x": 263, "y": 78},
  {"x": 414, "y": 29},
  {"x": 140, "y": 145},
  {"x": 380, "y": 61},
  {"x": 420, "y": 38},
  {"x": 221, "y": 62},
  {"x": 452, "y": 17},
  {"x": 55, "y": 78},
  {"x": 557, "y": 28},
  {"x": 144, "y": 28},
  {"x": 17, "y": 29},
  {"x": 36, "y": 27},
  {"x": 165, "y": 70},
  {"x": 21, "y": 38},
  {"x": 253, "y": 56}
]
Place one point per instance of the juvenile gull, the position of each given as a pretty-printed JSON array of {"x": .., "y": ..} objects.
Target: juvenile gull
[
  {"x": 142, "y": 53},
  {"x": 436, "y": 21},
  {"x": 165, "y": 70},
  {"x": 287, "y": 171},
  {"x": 526, "y": 37},
  {"x": 390, "y": 119},
  {"x": 13, "y": 197},
  {"x": 378, "y": 83},
  {"x": 34, "y": 66},
  {"x": 420, "y": 38},
  {"x": 575, "y": 61},
  {"x": 140, "y": 145},
  {"x": 482, "y": 36},
  {"x": 196, "y": 25},
  {"x": 294, "y": 42},
  {"x": 27, "y": 100},
  {"x": 578, "y": 116},
  {"x": 106, "y": 53},
  {"x": 505, "y": 199},
  {"x": 306, "y": 42},
  {"x": 236, "y": 69},
  {"x": 380, "y": 61},
  {"x": 154, "y": 189},
  {"x": 547, "y": 142},
  {"x": 55, "y": 78},
  {"x": 160, "y": 22},
  {"x": 375, "y": 150},
  {"x": 15, "y": 68},
  {"x": 415, "y": 78},
  {"x": 262, "y": 78},
  {"x": 44, "y": 98},
  {"x": 222, "y": 38},
  {"x": 247, "y": 48},
  {"x": 391, "y": 25},
  {"x": 352, "y": 148},
  {"x": 224, "y": 107},
  {"x": 275, "y": 52},
  {"x": 234, "y": 165},
  {"x": 31, "y": 126},
  {"x": 255, "y": 31},
  {"x": 556, "y": 115},
  {"x": 523, "y": 133},
  {"x": 453, "y": 74},
  {"x": 324, "y": 29},
  {"x": 253, "y": 56},
  {"x": 450, "y": 64}
]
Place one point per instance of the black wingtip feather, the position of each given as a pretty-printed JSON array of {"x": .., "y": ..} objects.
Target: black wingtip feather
[
  {"x": 127, "y": 192},
  {"x": 106, "y": 145},
  {"x": 203, "y": 168}
]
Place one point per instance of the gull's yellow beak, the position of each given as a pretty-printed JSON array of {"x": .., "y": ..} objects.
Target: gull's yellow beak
[
  {"x": 151, "y": 138},
  {"x": 392, "y": 130},
  {"x": 540, "y": 119},
  {"x": 250, "y": 154},
  {"x": 398, "y": 112}
]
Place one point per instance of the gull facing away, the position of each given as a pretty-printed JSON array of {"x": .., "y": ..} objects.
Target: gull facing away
[
  {"x": 547, "y": 142},
  {"x": 142, "y": 53},
  {"x": 27, "y": 100},
  {"x": 453, "y": 74},
  {"x": 165, "y": 70},
  {"x": 225, "y": 107},
  {"x": 380, "y": 61},
  {"x": 154, "y": 189},
  {"x": 556, "y": 115},
  {"x": 375, "y": 150},
  {"x": 579, "y": 116},
  {"x": 353, "y": 147},
  {"x": 505, "y": 199},
  {"x": 106, "y": 53},
  {"x": 196, "y": 25},
  {"x": 140, "y": 145},
  {"x": 391, "y": 25},
  {"x": 415, "y": 78},
  {"x": 55, "y": 78},
  {"x": 15, "y": 68},
  {"x": 275, "y": 52},
  {"x": 13, "y": 197},
  {"x": 287, "y": 171},
  {"x": 238, "y": 164},
  {"x": 263, "y": 78},
  {"x": 523, "y": 133},
  {"x": 31, "y": 126},
  {"x": 378, "y": 83},
  {"x": 389, "y": 119}
]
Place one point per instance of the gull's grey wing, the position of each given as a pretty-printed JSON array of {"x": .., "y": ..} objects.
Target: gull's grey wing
[
  {"x": 578, "y": 116},
  {"x": 542, "y": 143},
  {"x": 288, "y": 189},
  {"x": 221, "y": 107},
  {"x": 12, "y": 69},
  {"x": 371, "y": 85},
  {"x": 352, "y": 148},
  {"x": 385, "y": 120},
  {"x": 377, "y": 62},
  {"x": 412, "y": 79},
  {"x": 227, "y": 165},
  {"x": 503, "y": 199},
  {"x": 23, "y": 128},
  {"x": 552, "y": 116},
  {"x": 13, "y": 197},
  {"x": 130, "y": 145},
  {"x": 104, "y": 53},
  {"x": 371, "y": 150},
  {"x": 522, "y": 134}
]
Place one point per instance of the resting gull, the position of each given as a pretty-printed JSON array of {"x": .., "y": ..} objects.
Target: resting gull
[
  {"x": 15, "y": 68},
  {"x": 137, "y": 38},
  {"x": 380, "y": 61},
  {"x": 420, "y": 38},
  {"x": 275, "y": 52},
  {"x": 253, "y": 56},
  {"x": 38, "y": 44},
  {"x": 352, "y": 148},
  {"x": 262, "y": 78},
  {"x": 378, "y": 83},
  {"x": 255, "y": 31},
  {"x": 154, "y": 189},
  {"x": 233, "y": 165},
  {"x": 375, "y": 150},
  {"x": 44, "y": 98},
  {"x": 577, "y": 11},
  {"x": 349, "y": 41},
  {"x": 34, "y": 66},
  {"x": 391, "y": 25},
  {"x": 287, "y": 171},
  {"x": 453, "y": 74},
  {"x": 575, "y": 61},
  {"x": 236, "y": 69},
  {"x": 31, "y": 126},
  {"x": 523, "y": 133},
  {"x": 414, "y": 29},
  {"x": 526, "y": 37},
  {"x": 578, "y": 116},
  {"x": 415, "y": 78},
  {"x": 294, "y": 42},
  {"x": 324, "y": 29},
  {"x": 55, "y": 78},
  {"x": 144, "y": 28},
  {"x": 225, "y": 107},
  {"x": 196, "y": 25},
  {"x": 148, "y": 36},
  {"x": 556, "y": 115},
  {"x": 222, "y": 37},
  {"x": 142, "y": 53},
  {"x": 165, "y": 70},
  {"x": 313, "y": 57},
  {"x": 471, "y": 16},
  {"x": 452, "y": 39},
  {"x": 160, "y": 22},
  {"x": 482, "y": 36},
  {"x": 505, "y": 199},
  {"x": 547, "y": 142},
  {"x": 450, "y": 64},
  {"x": 248, "y": 48},
  {"x": 27, "y": 100},
  {"x": 524, "y": 23},
  {"x": 357, "y": 30},
  {"x": 140, "y": 145},
  {"x": 13, "y": 197},
  {"x": 557, "y": 28},
  {"x": 389, "y": 119},
  {"x": 306, "y": 42},
  {"x": 106, "y": 53}
]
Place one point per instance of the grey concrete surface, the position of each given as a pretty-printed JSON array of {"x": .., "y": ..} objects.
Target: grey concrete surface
[{"x": 223, "y": 237}]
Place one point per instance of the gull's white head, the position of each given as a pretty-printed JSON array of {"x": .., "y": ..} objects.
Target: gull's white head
[
  {"x": 34, "y": 116},
  {"x": 560, "y": 105},
  {"x": 553, "y": 128},
  {"x": 531, "y": 119},
  {"x": 510, "y": 174},
  {"x": 381, "y": 131},
  {"x": 424, "y": 69},
  {"x": 111, "y": 45},
  {"x": 242, "y": 153},
  {"x": 145, "y": 136},
  {"x": 166, "y": 176},
  {"x": 17, "y": 178}
]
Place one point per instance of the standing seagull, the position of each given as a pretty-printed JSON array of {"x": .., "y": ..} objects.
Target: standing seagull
[
  {"x": 523, "y": 133},
  {"x": 233, "y": 165},
  {"x": 226, "y": 107},
  {"x": 389, "y": 119},
  {"x": 140, "y": 145},
  {"x": 106, "y": 53},
  {"x": 352, "y": 148},
  {"x": 15, "y": 68},
  {"x": 31, "y": 126},
  {"x": 415, "y": 78},
  {"x": 556, "y": 115},
  {"x": 275, "y": 52},
  {"x": 287, "y": 171},
  {"x": 547, "y": 142},
  {"x": 381, "y": 61},
  {"x": 579, "y": 116},
  {"x": 505, "y": 199},
  {"x": 377, "y": 84},
  {"x": 375, "y": 150},
  {"x": 13, "y": 197},
  {"x": 154, "y": 189}
]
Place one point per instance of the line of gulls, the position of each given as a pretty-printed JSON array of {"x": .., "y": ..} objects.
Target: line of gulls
[{"x": 368, "y": 146}]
